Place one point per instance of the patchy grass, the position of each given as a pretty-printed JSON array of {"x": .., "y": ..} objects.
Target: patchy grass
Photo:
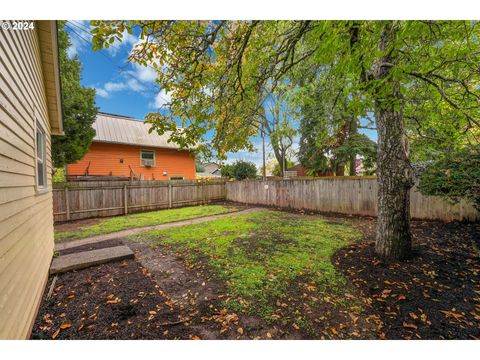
[
  {"x": 142, "y": 219},
  {"x": 262, "y": 257}
]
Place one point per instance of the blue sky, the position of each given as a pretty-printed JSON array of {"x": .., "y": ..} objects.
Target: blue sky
[{"x": 128, "y": 89}]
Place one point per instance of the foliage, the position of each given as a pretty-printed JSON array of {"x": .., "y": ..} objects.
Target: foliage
[
  {"x": 219, "y": 72},
  {"x": 119, "y": 223},
  {"x": 199, "y": 167},
  {"x": 226, "y": 171},
  {"x": 59, "y": 175},
  {"x": 79, "y": 110},
  {"x": 277, "y": 170},
  {"x": 242, "y": 170},
  {"x": 455, "y": 176},
  {"x": 261, "y": 255}
]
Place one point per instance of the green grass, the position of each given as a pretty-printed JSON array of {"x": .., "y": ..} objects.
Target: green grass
[
  {"x": 142, "y": 219},
  {"x": 261, "y": 256}
]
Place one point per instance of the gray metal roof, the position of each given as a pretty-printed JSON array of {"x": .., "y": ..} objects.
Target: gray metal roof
[{"x": 119, "y": 129}]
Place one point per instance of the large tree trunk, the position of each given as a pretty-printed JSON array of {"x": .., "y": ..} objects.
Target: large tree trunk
[{"x": 393, "y": 240}]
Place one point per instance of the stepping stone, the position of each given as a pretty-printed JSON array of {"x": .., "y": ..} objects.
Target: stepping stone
[{"x": 86, "y": 259}]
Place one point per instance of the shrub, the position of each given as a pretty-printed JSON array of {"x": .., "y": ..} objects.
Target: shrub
[
  {"x": 241, "y": 170},
  {"x": 455, "y": 176}
]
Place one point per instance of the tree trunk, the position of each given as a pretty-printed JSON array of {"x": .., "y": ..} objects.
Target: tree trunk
[
  {"x": 393, "y": 240},
  {"x": 340, "y": 170}
]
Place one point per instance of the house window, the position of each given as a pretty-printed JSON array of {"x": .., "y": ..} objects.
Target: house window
[
  {"x": 176, "y": 177},
  {"x": 147, "y": 158},
  {"x": 41, "y": 159}
]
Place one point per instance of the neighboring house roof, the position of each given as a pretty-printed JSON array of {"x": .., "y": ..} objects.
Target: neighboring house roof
[
  {"x": 211, "y": 167},
  {"x": 47, "y": 36},
  {"x": 206, "y": 174},
  {"x": 119, "y": 129}
]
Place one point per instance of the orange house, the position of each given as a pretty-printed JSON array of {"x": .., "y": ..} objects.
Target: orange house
[{"x": 123, "y": 147}]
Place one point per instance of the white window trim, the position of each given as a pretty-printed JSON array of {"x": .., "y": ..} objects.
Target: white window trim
[
  {"x": 41, "y": 188},
  {"x": 154, "y": 157}
]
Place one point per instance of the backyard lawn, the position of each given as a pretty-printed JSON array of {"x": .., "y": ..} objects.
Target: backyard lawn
[
  {"x": 71, "y": 231},
  {"x": 270, "y": 274},
  {"x": 264, "y": 258}
]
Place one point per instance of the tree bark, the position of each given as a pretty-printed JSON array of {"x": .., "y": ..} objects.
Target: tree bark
[{"x": 393, "y": 239}]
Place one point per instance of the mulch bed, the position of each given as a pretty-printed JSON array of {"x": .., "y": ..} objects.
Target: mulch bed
[
  {"x": 435, "y": 295},
  {"x": 122, "y": 300}
]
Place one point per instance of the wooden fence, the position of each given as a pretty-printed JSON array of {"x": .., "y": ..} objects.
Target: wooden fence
[
  {"x": 345, "y": 195},
  {"x": 80, "y": 200}
]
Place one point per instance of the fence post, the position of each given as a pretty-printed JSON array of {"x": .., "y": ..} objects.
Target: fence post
[
  {"x": 204, "y": 192},
  {"x": 125, "y": 199},
  {"x": 169, "y": 195},
  {"x": 67, "y": 203}
]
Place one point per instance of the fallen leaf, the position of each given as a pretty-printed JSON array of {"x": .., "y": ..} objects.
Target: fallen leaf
[
  {"x": 240, "y": 331},
  {"x": 55, "y": 334},
  {"x": 410, "y": 326},
  {"x": 195, "y": 338},
  {"x": 65, "y": 326},
  {"x": 269, "y": 335},
  {"x": 295, "y": 326}
]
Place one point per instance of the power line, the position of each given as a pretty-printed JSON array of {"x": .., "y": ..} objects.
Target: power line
[{"x": 121, "y": 69}]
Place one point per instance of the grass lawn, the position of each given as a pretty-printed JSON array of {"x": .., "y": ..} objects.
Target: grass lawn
[
  {"x": 119, "y": 223},
  {"x": 264, "y": 258}
]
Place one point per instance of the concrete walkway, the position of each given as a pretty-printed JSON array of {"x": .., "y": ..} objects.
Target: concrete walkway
[
  {"x": 124, "y": 233},
  {"x": 84, "y": 259}
]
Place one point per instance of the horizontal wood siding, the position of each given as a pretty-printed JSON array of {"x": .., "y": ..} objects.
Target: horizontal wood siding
[
  {"x": 26, "y": 221},
  {"x": 117, "y": 160},
  {"x": 107, "y": 198},
  {"x": 356, "y": 196}
]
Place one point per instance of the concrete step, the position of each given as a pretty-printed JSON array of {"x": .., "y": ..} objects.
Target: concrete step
[{"x": 86, "y": 259}]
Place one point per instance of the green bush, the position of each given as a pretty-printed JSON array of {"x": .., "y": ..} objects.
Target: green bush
[
  {"x": 455, "y": 176},
  {"x": 240, "y": 170}
]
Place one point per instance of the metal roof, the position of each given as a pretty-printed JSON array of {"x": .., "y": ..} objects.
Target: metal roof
[{"x": 119, "y": 129}]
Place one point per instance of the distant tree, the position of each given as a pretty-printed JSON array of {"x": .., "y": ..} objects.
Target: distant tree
[
  {"x": 455, "y": 176},
  {"x": 277, "y": 170},
  {"x": 242, "y": 170},
  {"x": 199, "y": 167},
  {"x": 79, "y": 109},
  {"x": 226, "y": 171}
]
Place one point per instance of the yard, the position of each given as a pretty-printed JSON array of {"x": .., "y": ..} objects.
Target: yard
[
  {"x": 91, "y": 227},
  {"x": 272, "y": 275}
]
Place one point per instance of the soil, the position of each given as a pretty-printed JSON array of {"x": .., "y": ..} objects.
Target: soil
[
  {"x": 125, "y": 300},
  {"x": 435, "y": 295},
  {"x": 92, "y": 246}
]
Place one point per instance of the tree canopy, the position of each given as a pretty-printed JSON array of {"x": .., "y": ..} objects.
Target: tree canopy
[{"x": 412, "y": 75}]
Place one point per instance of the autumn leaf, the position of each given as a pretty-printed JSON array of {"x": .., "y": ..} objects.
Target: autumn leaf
[
  {"x": 194, "y": 337},
  {"x": 410, "y": 326},
  {"x": 451, "y": 314},
  {"x": 240, "y": 331},
  {"x": 55, "y": 334},
  {"x": 296, "y": 327},
  {"x": 65, "y": 326}
]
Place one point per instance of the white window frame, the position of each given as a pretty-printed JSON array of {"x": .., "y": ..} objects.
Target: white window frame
[
  {"x": 41, "y": 158},
  {"x": 142, "y": 159}
]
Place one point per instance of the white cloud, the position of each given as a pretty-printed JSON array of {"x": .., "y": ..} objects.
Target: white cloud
[
  {"x": 128, "y": 40},
  {"x": 162, "y": 99},
  {"x": 101, "y": 92},
  {"x": 144, "y": 73},
  {"x": 80, "y": 37}
]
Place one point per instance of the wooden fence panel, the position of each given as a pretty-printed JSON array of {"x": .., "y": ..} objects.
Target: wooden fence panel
[
  {"x": 80, "y": 200},
  {"x": 346, "y": 195}
]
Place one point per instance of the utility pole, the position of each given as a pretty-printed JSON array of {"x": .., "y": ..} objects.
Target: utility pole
[{"x": 263, "y": 154}]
